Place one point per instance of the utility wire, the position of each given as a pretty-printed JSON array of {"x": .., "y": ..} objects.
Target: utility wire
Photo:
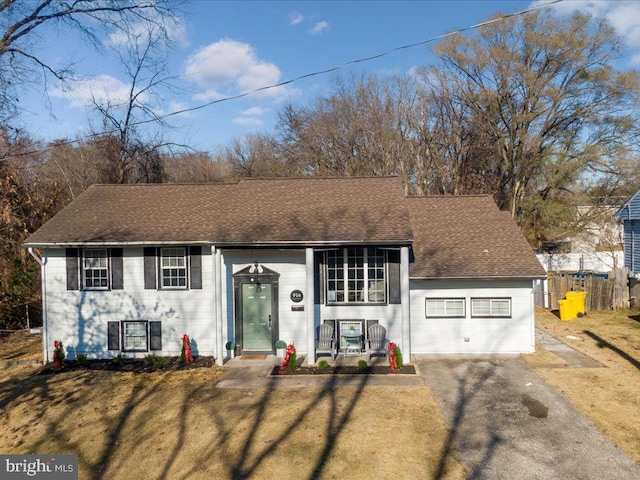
[{"x": 293, "y": 80}]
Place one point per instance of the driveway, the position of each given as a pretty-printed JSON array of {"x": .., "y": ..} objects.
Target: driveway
[{"x": 507, "y": 423}]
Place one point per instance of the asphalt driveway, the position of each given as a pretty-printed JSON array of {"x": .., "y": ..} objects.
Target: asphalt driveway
[{"x": 509, "y": 424}]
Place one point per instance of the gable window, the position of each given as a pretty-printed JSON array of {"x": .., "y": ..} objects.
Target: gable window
[
  {"x": 490, "y": 307},
  {"x": 95, "y": 269},
  {"x": 445, "y": 307},
  {"x": 356, "y": 275},
  {"x": 173, "y": 263}
]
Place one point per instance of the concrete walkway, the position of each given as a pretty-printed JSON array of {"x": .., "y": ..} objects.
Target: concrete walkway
[
  {"x": 573, "y": 357},
  {"x": 255, "y": 374}
]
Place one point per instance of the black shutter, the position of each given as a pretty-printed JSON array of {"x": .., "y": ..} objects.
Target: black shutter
[
  {"x": 150, "y": 268},
  {"x": 195, "y": 265},
  {"x": 318, "y": 277},
  {"x": 113, "y": 335},
  {"x": 116, "y": 269},
  {"x": 155, "y": 335},
  {"x": 73, "y": 272},
  {"x": 394, "y": 276}
]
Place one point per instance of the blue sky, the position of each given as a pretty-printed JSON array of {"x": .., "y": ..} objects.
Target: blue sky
[{"x": 224, "y": 48}]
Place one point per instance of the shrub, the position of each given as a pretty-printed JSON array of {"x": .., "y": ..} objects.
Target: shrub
[
  {"x": 362, "y": 365},
  {"x": 398, "y": 354},
  {"x": 292, "y": 364},
  {"x": 81, "y": 358},
  {"x": 323, "y": 364},
  {"x": 281, "y": 344},
  {"x": 118, "y": 359},
  {"x": 155, "y": 362}
]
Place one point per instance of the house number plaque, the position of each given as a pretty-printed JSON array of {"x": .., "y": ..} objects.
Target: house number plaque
[{"x": 296, "y": 296}]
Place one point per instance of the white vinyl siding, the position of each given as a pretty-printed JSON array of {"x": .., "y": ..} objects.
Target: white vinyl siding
[
  {"x": 444, "y": 307},
  {"x": 490, "y": 307}
]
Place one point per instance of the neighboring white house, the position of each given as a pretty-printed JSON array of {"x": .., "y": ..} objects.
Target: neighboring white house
[
  {"x": 129, "y": 269},
  {"x": 597, "y": 247}
]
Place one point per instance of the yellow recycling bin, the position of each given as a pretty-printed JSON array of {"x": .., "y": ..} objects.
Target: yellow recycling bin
[
  {"x": 566, "y": 310},
  {"x": 578, "y": 300}
]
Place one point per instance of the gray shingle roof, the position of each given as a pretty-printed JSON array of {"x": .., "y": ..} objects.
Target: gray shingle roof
[
  {"x": 294, "y": 210},
  {"x": 466, "y": 237},
  {"x": 451, "y": 236}
]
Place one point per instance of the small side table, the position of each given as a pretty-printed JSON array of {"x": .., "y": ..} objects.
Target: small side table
[{"x": 353, "y": 343}]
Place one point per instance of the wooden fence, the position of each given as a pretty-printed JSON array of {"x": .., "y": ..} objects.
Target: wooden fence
[{"x": 602, "y": 293}]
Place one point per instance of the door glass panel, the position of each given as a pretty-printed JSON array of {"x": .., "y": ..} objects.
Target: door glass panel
[{"x": 256, "y": 316}]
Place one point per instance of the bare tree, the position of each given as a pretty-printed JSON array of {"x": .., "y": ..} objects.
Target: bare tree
[
  {"x": 546, "y": 93},
  {"x": 134, "y": 123}
]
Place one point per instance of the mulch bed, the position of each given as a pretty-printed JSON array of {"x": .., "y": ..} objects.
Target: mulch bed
[
  {"x": 345, "y": 370},
  {"x": 129, "y": 365}
]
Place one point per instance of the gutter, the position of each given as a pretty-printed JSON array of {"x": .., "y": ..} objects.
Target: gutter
[
  {"x": 489, "y": 277},
  {"x": 336, "y": 243}
]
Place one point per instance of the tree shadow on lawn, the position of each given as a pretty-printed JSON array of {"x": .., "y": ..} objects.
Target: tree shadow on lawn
[
  {"x": 467, "y": 389},
  {"x": 251, "y": 457},
  {"x": 54, "y": 403},
  {"x": 602, "y": 343}
]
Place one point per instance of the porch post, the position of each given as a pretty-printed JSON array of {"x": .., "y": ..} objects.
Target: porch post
[
  {"x": 217, "y": 299},
  {"x": 310, "y": 309},
  {"x": 405, "y": 299}
]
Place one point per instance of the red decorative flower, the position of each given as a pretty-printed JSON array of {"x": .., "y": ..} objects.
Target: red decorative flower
[
  {"x": 290, "y": 350},
  {"x": 188, "y": 357},
  {"x": 392, "y": 357}
]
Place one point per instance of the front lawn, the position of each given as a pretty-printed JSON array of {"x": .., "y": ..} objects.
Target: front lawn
[{"x": 177, "y": 424}]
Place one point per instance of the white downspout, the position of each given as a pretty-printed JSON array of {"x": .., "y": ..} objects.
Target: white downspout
[
  {"x": 405, "y": 300},
  {"x": 43, "y": 281},
  {"x": 220, "y": 349}
]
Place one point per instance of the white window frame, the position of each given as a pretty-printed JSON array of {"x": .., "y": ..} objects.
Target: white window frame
[
  {"x": 177, "y": 268},
  {"x": 126, "y": 338},
  {"x": 356, "y": 290},
  {"x": 493, "y": 307},
  {"x": 89, "y": 269},
  {"x": 448, "y": 309}
]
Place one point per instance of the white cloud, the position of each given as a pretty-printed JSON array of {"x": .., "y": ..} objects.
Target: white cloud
[
  {"x": 254, "y": 111},
  {"x": 319, "y": 28},
  {"x": 174, "y": 28},
  {"x": 229, "y": 67},
  {"x": 295, "y": 18},
  {"x": 248, "y": 121},
  {"x": 103, "y": 90},
  {"x": 624, "y": 16}
]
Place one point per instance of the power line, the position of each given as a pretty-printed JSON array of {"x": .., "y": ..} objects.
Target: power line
[{"x": 293, "y": 80}]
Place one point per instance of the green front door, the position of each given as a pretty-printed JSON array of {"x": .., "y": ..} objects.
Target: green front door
[{"x": 257, "y": 316}]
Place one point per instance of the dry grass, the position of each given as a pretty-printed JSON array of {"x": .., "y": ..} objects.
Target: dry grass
[
  {"x": 609, "y": 396},
  {"x": 175, "y": 425}
]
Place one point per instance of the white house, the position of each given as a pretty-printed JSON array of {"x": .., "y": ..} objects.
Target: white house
[{"x": 129, "y": 269}]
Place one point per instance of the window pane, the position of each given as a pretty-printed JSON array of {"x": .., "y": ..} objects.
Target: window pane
[
  {"x": 480, "y": 306},
  {"x": 500, "y": 307},
  {"x": 135, "y": 335},
  {"x": 95, "y": 270},
  {"x": 174, "y": 271},
  {"x": 445, "y": 307}
]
